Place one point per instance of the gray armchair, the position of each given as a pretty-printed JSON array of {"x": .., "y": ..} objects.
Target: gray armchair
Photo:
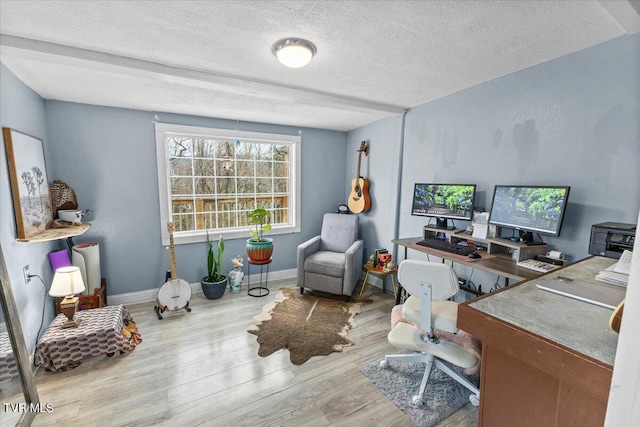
[{"x": 332, "y": 261}]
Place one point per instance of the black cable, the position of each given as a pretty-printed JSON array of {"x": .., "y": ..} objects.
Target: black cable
[
  {"x": 471, "y": 285},
  {"x": 496, "y": 286},
  {"x": 44, "y": 303}
]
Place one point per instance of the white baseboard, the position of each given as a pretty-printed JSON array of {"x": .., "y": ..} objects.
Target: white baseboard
[{"x": 151, "y": 294}]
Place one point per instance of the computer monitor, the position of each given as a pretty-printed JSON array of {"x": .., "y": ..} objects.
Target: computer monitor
[
  {"x": 529, "y": 209},
  {"x": 444, "y": 202}
]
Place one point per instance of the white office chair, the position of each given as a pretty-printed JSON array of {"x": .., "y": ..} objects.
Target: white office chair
[{"x": 430, "y": 284}]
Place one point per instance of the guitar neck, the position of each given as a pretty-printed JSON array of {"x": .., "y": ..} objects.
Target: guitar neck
[
  {"x": 363, "y": 147},
  {"x": 172, "y": 253},
  {"x": 358, "y": 168}
]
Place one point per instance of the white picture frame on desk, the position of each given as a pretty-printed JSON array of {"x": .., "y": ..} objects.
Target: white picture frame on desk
[{"x": 481, "y": 225}]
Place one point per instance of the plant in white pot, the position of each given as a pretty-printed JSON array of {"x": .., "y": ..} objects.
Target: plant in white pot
[
  {"x": 259, "y": 248},
  {"x": 214, "y": 283}
]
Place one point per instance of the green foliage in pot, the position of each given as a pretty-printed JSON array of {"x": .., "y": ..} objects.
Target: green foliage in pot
[
  {"x": 214, "y": 261},
  {"x": 258, "y": 217}
]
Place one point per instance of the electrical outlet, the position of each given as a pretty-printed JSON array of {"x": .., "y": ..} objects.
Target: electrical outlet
[{"x": 25, "y": 272}]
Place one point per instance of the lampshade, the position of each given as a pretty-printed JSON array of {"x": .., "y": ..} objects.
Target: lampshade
[
  {"x": 294, "y": 53},
  {"x": 67, "y": 281}
]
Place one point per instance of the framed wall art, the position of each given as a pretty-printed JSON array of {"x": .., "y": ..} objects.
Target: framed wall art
[{"x": 29, "y": 183}]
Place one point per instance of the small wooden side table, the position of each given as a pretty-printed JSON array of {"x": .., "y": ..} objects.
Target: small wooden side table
[{"x": 383, "y": 274}]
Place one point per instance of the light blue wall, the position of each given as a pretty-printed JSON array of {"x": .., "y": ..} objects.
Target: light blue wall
[
  {"x": 23, "y": 110},
  {"x": 381, "y": 168},
  {"x": 108, "y": 156},
  {"x": 572, "y": 121}
]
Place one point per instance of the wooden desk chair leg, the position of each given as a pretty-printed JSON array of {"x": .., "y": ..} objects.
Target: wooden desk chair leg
[{"x": 364, "y": 283}]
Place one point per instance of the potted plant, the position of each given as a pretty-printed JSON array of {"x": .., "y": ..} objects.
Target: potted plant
[
  {"x": 259, "y": 248},
  {"x": 214, "y": 283}
]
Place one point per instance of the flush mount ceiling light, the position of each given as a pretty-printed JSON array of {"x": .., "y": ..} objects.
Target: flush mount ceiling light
[{"x": 294, "y": 53}]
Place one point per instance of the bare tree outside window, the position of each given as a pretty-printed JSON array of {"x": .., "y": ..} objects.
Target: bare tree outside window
[{"x": 214, "y": 182}]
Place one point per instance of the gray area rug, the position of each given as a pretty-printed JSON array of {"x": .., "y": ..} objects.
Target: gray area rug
[{"x": 401, "y": 380}]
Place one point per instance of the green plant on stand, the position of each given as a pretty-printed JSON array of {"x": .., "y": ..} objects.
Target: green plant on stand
[
  {"x": 214, "y": 283},
  {"x": 259, "y": 217},
  {"x": 259, "y": 248}
]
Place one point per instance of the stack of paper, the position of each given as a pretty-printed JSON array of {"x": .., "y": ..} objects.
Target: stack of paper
[{"x": 618, "y": 273}]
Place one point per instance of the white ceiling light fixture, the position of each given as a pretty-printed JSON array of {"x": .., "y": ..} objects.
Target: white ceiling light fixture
[{"x": 294, "y": 53}]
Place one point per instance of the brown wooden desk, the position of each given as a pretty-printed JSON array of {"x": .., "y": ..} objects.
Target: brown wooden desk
[
  {"x": 547, "y": 360},
  {"x": 500, "y": 264}
]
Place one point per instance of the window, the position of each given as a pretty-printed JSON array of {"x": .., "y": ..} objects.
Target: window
[{"x": 209, "y": 179}]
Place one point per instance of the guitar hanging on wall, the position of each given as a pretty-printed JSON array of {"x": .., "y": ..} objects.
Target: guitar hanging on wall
[
  {"x": 359, "y": 200},
  {"x": 175, "y": 293}
]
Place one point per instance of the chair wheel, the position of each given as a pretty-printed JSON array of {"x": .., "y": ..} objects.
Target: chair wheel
[
  {"x": 417, "y": 401},
  {"x": 475, "y": 401},
  {"x": 384, "y": 364}
]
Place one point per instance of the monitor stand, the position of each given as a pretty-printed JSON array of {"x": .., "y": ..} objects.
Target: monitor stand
[
  {"x": 526, "y": 237},
  {"x": 443, "y": 224}
]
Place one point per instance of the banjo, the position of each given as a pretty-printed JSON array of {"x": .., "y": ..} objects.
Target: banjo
[{"x": 175, "y": 293}]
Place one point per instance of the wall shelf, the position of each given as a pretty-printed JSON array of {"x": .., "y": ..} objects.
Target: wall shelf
[{"x": 57, "y": 233}]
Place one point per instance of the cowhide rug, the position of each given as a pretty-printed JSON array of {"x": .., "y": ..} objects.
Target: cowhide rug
[{"x": 307, "y": 325}]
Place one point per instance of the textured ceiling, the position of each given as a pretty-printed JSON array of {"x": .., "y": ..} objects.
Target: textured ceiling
[{"x": 213, "y": 58}]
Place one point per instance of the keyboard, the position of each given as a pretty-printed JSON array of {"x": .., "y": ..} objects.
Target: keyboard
[
  {"x": 443, "y": 245},
  {"x": 540, "y": 266}
]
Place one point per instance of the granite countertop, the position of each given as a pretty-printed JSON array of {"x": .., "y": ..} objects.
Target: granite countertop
[{"x": 578, "y": 325}]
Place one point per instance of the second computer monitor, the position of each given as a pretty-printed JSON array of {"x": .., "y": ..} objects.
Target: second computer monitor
[
  {"x": 444, "y": 202},
  {"x": 529, "y": 209}
]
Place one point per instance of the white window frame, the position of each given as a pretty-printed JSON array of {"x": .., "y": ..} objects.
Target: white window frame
[{"x": 164, "y": 187}]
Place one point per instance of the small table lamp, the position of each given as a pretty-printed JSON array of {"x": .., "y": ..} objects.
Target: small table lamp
[{"x": 66, "y": 283}]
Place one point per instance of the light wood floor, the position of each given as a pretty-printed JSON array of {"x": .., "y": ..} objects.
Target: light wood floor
[{"x": 203, "y": 368}]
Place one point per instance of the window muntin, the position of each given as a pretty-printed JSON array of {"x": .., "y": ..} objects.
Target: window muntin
[{"x": 211, "y": 178}]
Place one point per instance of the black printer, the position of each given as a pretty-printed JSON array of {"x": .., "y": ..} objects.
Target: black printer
[{"x": 610, "y": 239}]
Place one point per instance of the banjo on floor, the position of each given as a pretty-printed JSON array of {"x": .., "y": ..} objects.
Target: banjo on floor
[{"x": 175, "y": 293}]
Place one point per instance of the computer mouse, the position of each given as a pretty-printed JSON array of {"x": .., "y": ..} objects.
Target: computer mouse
[{"x": 474, "y": 255}]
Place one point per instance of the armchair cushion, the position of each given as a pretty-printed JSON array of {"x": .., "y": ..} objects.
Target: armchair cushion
[
  {"x": 326, "y": 263},
  {"x": 338, "y": 233}
]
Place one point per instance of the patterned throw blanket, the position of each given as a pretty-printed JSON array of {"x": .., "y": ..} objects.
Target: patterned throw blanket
[
  {"x": 8, "y": 365},
  {"x": 105, "y": 330}
]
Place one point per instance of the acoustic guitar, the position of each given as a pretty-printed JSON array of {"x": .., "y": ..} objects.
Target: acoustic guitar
[
  {"x": 359, "y": 200},
  {"x": 175, "y": 293}
]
